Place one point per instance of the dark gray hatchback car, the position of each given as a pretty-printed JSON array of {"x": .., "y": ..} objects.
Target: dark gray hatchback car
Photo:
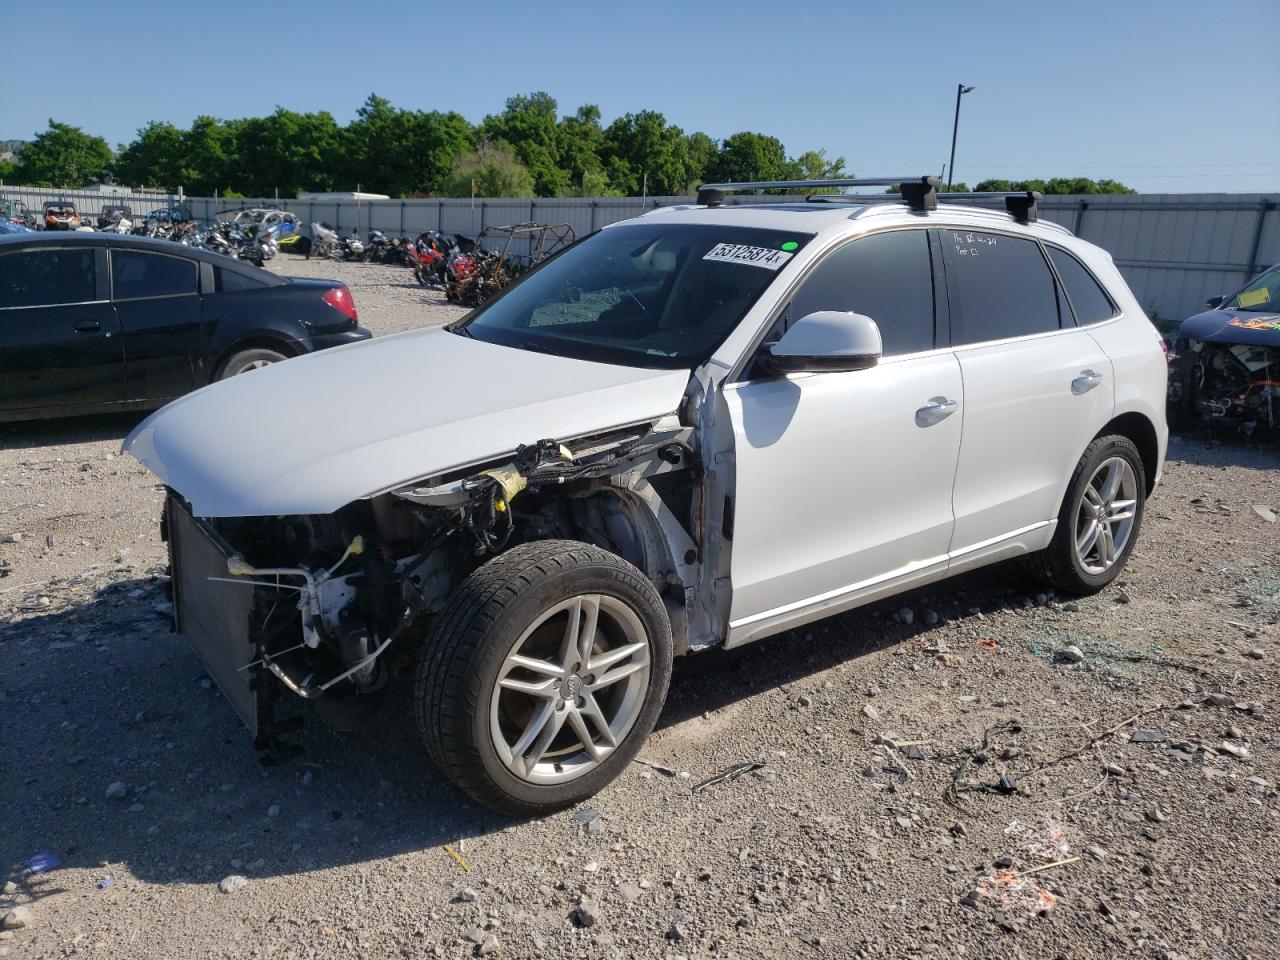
[{"x": 97, "y": 322}]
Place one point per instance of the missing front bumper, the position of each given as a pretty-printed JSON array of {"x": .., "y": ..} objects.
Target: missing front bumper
[{"x": 214, "y": 616}]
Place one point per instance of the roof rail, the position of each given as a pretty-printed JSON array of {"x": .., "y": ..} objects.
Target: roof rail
[
  {"x": 1021, "y": 204},
  {"x": 920, "y": 193}
]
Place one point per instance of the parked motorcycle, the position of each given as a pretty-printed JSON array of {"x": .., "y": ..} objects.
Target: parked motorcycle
[{"x": 379, "y": 248}]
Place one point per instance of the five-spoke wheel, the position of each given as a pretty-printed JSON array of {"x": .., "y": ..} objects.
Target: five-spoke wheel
[
  {"x": 570, "y": 689},
  {"x": 543, "y": 675}
]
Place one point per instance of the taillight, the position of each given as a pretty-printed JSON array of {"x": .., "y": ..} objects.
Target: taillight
[
  {"x": 1164, "y": 345},
  {"x": 340, "y": 299}
]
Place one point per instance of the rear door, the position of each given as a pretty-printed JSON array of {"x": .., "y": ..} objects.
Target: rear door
[
  {"x": 843, "y": 479},
  {"x": 157, "y": 298},
  {"x": 60, "y": 345},
  {"x": 1037, "y": 388}
]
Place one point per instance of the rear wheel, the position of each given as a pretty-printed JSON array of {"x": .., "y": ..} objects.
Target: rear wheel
[
  {"x": 544, "y": 676},
  {"x": 247, "y": 360},
  {"x": 1099, "y": 520}
]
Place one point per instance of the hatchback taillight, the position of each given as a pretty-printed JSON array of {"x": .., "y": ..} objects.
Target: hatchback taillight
[{"x": 341, "y": 300}]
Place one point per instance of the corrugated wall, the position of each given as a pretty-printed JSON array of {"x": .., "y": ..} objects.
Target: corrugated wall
[{"x": 1175, "y": 250}]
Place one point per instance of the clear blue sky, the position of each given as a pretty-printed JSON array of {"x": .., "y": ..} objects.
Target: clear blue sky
[{"x": 1166, "y": 96}]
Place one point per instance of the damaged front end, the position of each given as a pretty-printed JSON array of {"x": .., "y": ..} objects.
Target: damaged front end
[{"x": 324, "y": 611}]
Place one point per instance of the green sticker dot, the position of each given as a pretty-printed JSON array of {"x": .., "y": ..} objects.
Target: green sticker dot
[{"x": 790, "y": 245}]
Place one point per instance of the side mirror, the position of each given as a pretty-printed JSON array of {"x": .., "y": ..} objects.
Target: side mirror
[
  {"x": 1214, "y": 301},
  {"x": 826, "y": 341}
]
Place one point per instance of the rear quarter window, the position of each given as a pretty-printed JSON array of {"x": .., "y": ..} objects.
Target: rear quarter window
[
  {"x": 1089, "y": 301},
  {"x": 232, "y": 281}
]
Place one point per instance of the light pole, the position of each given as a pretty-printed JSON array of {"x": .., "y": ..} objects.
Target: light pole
[{"x": 961, "y": 90}]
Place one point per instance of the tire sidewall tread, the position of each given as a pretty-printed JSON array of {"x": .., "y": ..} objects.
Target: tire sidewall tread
[{"x": 471, "y": 638}]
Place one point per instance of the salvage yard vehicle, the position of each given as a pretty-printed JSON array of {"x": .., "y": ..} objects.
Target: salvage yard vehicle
[
  {"x": 101, "y": 322},
  {"x": 61, "y": 215},
  {"x": 1227, "y": 367},
  {"x": 112, "y": 213},
  {"x": 690, "y": 430},
  {"x": 15, "y": 211}
]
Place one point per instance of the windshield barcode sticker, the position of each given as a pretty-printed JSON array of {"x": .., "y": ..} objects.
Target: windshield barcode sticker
[{"x": 752, "y": 256}]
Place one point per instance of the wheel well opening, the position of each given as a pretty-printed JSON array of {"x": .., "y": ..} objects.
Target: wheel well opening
[{"x": 1142, "y": 432}]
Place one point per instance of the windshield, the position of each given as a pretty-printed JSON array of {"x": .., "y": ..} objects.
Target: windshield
[
  {"x": 1263, "y": 294},
  {"x": 642, "y": 295}
]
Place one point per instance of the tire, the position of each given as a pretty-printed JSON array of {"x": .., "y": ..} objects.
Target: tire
[
  {"x": 245, "y": 361},
  {"x": 1061, "y": 565},
  {"x": 515, "y": 603}
]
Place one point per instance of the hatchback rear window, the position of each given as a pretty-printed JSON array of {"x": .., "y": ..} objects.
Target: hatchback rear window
[{"x": 40, "y": 278}]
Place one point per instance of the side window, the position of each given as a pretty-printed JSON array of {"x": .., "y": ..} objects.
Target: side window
[
  {"x": 38, "y": 278},
  {"x": 1002, "y": 286},
  {"x": 1089, "y": 301},
  {"x": 230, "y": 281},
  {"x": 135, "y": 274},
  {"x": 888, "y": 277}
]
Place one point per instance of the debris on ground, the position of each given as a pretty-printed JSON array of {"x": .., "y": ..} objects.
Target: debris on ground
[
  {"x": 732, "y": 773},
  {"x": 232, "y": 883},
  {"x": 40, "y": 862}
]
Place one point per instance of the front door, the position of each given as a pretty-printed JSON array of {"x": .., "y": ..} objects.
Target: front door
[
  {"x": 1037, "y": 388},
  {"x": 844, "y": 480},
  {"x": 60, "y": 345}
]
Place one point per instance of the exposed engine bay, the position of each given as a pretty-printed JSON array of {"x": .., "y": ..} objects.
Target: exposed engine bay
[
  {"x": 1231, "y": 383},
  {"x": 317, "y": 605}
]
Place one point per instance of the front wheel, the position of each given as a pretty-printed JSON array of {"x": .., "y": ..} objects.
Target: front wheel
[
  {"x": 1099, "y": 520},
  {"x": 543, "y": 676}
]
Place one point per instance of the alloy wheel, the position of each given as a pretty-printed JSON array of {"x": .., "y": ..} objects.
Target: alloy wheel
[
  {"x": 1105, "y": 517},
  {"x": 570, "y": 689}
]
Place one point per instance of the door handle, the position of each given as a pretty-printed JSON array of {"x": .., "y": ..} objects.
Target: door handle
[
  {"x": 1087, "y": 380},
  {"x": 935, "y": 411},
  {"x": 87, "y": 326}
]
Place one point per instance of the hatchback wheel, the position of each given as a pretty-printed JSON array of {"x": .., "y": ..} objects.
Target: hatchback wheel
[
  {"x": 1099, "y": 520},
  {"x": 544, "y": 676}
]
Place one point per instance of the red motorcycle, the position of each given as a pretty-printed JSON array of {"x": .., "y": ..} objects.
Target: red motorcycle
[{"x": 427, "y": 258}]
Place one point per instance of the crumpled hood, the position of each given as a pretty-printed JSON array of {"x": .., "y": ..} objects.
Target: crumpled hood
[
  {"x": 1233, "y": 326},
  {"x": 319, "y": 431}
]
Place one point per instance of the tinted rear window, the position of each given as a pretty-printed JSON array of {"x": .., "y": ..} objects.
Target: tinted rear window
[
  {"x": 230, "y": 281},
  {"x": 1090, "y": 303},
  {"x": 1001, "y": 285},
  {"x": 36, "y": 278},
  {"x": 137, "y": 274}
]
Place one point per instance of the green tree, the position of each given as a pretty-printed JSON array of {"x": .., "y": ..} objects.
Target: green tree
[
  {"x": 211, "y": 147},
  {"x": 580, "y": 141},
  {"x": 702, "y": 152},
  {"x": 494, "y": 170},
  {"x": 401, "y": 152},
  {"x": 641, "y": 147},
  {"x": 156, "y": 158},
  {"x": 63, "y": 156},
  {"x": 1056, "y": 185},
  {"x": 528, "y": 124},
  {"x": 6, "y": 170},
  {"x": 814, "y": 165},
  {"x": 747, "y": 156},
  {"x": 287, "y": 151}
]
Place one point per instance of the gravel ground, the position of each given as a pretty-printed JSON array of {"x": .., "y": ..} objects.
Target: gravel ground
[{"x": 877, "y": 827}]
